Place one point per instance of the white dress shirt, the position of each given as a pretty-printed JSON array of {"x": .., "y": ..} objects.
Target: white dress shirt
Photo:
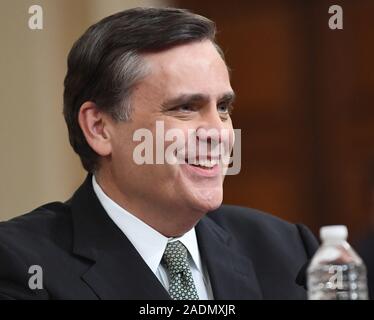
[{"x": 151, "y": 244}]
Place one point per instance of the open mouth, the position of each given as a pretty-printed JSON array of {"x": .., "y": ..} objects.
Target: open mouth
[{"x": 207, "y": 164}]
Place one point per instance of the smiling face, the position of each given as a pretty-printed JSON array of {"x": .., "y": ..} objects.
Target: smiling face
[{"x": 187, "y": 88}]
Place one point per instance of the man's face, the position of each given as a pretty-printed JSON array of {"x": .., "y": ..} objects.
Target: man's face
[{"x": 187, "y": 87}]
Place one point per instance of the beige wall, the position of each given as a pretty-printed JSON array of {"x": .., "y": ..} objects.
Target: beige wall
[{"x": 37, "y": 164}]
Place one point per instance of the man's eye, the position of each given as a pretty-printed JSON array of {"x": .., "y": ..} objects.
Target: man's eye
[
  {"x": 224, "y": 108},
  {"x": 184, "y": 108}
]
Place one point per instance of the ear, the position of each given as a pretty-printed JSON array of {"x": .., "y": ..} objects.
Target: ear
[{"x": 93, "y": 123}]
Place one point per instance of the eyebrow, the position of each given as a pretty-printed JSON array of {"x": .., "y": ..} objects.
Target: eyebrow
[
  {"x": 196, "y": 98},
  {"x": 228, "y": 97}
]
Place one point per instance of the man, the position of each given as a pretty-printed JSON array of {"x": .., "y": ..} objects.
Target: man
[{"x": 149, "y": 231}]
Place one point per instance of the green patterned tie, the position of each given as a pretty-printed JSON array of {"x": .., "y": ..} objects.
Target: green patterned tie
[{"x": 181, "y": 285}]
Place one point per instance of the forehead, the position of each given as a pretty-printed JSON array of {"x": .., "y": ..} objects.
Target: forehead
[{"x": 189, "y": 68}]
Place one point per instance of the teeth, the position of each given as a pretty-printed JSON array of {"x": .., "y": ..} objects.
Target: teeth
[{"x": 207, "y": 163}]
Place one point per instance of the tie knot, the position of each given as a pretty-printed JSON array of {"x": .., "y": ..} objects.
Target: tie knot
[{"x": 175, "y": 257}]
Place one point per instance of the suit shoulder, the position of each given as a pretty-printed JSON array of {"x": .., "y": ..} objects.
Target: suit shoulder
[
  {"x": 251, "y": 225},
  {"x": 26, "y": 241},
  {"x": 45, "y": 222},
  {"x": 230, "y": 215}
]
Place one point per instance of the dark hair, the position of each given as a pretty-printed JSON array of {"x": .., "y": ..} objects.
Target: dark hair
[{"x": 105, "y": 63}]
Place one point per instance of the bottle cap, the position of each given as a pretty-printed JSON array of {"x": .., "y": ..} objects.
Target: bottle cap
[{"x": 339, "y": 232}]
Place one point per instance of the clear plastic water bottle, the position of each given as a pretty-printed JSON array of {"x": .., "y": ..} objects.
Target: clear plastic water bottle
[{"x": 336, "y": 272}]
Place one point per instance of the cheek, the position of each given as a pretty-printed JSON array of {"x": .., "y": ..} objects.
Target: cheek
[
  {"x": 176, "y": 140},
  {"x": 123, "y": 146},
  {"x": 122, "y": 159},
  {"x": 229, "y": 136}
]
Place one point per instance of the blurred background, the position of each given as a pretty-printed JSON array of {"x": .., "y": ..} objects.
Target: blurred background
[{"x": 305, "y": 105}]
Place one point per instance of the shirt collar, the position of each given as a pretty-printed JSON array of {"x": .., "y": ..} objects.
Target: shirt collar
[{"x": 149, "y": 243}]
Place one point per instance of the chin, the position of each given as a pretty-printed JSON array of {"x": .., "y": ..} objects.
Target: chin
[{"x": 207, "y": 200}]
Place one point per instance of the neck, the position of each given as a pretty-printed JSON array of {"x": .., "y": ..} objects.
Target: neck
[{"x": 170, "y": 221}]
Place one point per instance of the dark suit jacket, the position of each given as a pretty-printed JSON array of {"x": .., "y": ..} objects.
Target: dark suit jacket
[
  {"x": 84, "y": 255},
  {"x": 364, "y": 248}
]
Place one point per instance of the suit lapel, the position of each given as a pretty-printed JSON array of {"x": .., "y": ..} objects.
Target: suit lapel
[
  {"x": 231, "y": 274},
  {"x": 117, "y": 270},
  {"x": 116, "y": 275}
]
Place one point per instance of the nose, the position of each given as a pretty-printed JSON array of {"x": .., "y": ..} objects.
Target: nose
[
  {"x": 214, "y": 136},
  {"x": 211, "y": 127}
]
